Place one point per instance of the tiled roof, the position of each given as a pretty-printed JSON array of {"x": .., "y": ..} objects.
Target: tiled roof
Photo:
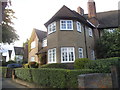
[{"x": 66, "y": 13}]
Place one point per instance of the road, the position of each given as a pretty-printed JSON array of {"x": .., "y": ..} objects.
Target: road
[{"x": 8, "y": 83}]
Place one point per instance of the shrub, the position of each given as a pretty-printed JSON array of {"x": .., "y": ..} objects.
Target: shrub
[
  {"x": 3, "y": 71},
  {"x": 24, "y": 74},
  {"x": 26, "y": 65},
  {"x": 55, "y": 65},
  {"x": 51, "y": 78},
  {"x": 10, "y": 62},
  {"x": 33, "y": 64},
  {"x": 80, "y": 63},
  {"x": 102, "y": 65}
]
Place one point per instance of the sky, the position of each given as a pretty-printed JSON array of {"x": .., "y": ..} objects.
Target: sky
[{"x": 35, "y": 13}]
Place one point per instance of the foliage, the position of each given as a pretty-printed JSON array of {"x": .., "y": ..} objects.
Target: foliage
[
  {"x": 26, "y": 65},
  {"x": 3, "y": 70},
  {"x": 8, "y": 32},
  {"x": 33, "y": 64},
  {"x": 102, "y": 65},
  {"x": 51, "y": 78},
  {"x": 55, "y": 65},
  {"x": 10, "y": 62},
  {"x": 24, "y": 74},
  {"x": 108, "y": 45},
  {"x": 80, "y": 63}
]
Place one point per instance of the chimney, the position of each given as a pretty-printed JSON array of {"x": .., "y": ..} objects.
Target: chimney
[
  {"x": 91, "y": 9},
  {"x": 80, "y": 11}
]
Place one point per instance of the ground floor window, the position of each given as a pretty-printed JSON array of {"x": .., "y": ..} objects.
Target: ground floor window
[
  {"x": 92, "y": 55},
  {"x": 32, "y": 59},
  {"x": 80, "y": 52},
  {"x": 67, "y": 54},
  {"x": 52, "y": 55}
]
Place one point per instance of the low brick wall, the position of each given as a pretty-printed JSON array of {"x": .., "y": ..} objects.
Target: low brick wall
[{"x": 96, "y": 80}]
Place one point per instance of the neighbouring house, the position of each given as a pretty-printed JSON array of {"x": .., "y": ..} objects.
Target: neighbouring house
[
  {"x": 19, "y": 52},
  {"x": 37, "y": 46},
  {"x": 72, "y": 34}
]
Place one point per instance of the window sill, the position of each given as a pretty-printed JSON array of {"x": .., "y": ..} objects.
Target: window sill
[{"x": 67, "y": 61}]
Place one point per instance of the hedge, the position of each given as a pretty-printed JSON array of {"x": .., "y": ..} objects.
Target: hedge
[
  {"x": 103, "y": 65},
  {"x": 3, "y": 71},
  {"x": 55, "y": 65},
  {"x": 51, "y": 78},
  {"x": 24, "y": 74}
]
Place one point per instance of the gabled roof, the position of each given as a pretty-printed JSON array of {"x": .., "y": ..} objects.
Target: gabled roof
[
  {"x": 19, "y": 50},
  {"x": 108, "y": 19},
  {"x": 40, "y": 34},
  {"x": 66, "y": 13}
]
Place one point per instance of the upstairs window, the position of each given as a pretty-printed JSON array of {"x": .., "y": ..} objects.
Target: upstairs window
[
  {"x": 52, "y": 55},
  {"x": 32, "y": 59},
  {"x": 33, "y": 45},
  {"x": 80, "y": 52},
  {"x": 67, "y": 54},
  {"x": 44, "y": 42},
  {"x": 78, "y": 26},
  {"x": 52, "y": 28},
  {"x": 90, "y": 32},
  {"x": 66, "y": 25}
]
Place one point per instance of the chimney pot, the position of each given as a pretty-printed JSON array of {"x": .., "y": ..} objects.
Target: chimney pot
[{"x": 80, "y": 11}]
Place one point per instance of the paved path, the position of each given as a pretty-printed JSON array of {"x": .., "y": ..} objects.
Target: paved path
[{"x": 8, "y": 83}]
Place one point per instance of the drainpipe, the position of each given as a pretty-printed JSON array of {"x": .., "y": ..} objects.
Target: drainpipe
[{"x": 85, "y": 42}]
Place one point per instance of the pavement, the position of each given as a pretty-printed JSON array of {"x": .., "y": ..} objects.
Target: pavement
[{"x": 8, "y": 83}]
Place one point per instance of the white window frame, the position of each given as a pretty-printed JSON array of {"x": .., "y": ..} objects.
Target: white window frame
[
  {"x": 92, "y": 55},
  {"x": 52, "y": 55},
  {"x": 90, "y": 32},
  {"x": 44, "y": 42},
  {"x": 79, "y": 26},
  {"x": 33, "y": 44},
  {"x": 67, "y": 53},
  {"x": 80, "y": 52},
  {"x": 32, "y": 59},
  {"x": 52, "y": 27},
  {"x": 66, "y": 25}
]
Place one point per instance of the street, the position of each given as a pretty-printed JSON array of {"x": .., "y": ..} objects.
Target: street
[{"x": 8, "y": 83}]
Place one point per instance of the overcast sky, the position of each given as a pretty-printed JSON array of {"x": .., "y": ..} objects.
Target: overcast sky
[{"x": 35, "y": 13}]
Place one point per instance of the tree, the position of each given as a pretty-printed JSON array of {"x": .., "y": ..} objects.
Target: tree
[
  {"x": 8, "y": 32},
  {"x": 109, "y": 44}
]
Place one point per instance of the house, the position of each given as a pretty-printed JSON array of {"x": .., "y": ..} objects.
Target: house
[
  {"x": 36, "y": 47},
  {"x": 19, "y": 52},
  {"x": 71, "y": 35}
]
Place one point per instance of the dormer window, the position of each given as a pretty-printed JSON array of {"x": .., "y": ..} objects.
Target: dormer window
[
  {"x": 78, "y": 26},
  {"x": 66, "y": 25},
  {"x": 90, "y": 32},
  {"x": 44, "y": 42},
  {"x": 33, "y": 45},
  {"x": 52, "y": 28}
]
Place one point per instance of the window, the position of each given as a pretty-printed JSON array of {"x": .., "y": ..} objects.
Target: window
[
  {"x": 32, "y": 59},
  {"x": 44, "y": 42},
  {"x": 66, "y": 25},
  {"x": 90, "y": 32},
  {"x": 78, "y": 26},
  {"x": 92, "y": 55},
  {"x": 33, "y": 45},
  {"x": 80, "y": 52},
  {"x": 52, "y": 28},
  {"x": 52, "y": 55},
  {"x": 67, "y": 54}
]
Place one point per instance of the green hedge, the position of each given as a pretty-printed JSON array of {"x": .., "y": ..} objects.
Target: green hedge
[
  {"x": 52, "y": 78},
  {"x": 24, "y": 74},
  {"x": 3, "y": 71},
  {"x": 102, "y": 65},
  {"x": 55, "y": 65}
]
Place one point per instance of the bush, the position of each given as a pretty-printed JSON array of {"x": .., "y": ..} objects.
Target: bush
[
  {"x": 10, "y": 62},
  {"x": 51, "y": 78},
  {"x": 33, "y": 64},
  {"x": 80, "y": 63},
  {"x": 26, "y": 65},
  {"x": 3, "y": 71},
  {"x": 55, "y": 65},
  {"x": 102, "y": 65},
  {"x": 24, "y": 74}
]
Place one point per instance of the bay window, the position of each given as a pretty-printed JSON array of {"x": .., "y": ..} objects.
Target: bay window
[
  {"x": 52, "y": 28},
  {"x": 52, "y": 55},
  {"x": 66, "y": 25}
]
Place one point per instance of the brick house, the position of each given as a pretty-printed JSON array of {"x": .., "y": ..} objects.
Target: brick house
[{"x": 71, "y": 35}]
